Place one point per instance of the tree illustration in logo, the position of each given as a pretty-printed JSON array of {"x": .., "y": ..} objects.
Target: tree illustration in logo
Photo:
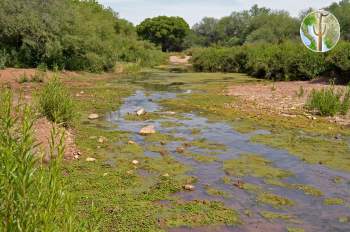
[{"x": 320, "y": 31}]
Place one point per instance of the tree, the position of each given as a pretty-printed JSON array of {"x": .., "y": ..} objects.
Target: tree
[
  {"x": 341, "y": 10},
  {"x": 168, "y": 32}
]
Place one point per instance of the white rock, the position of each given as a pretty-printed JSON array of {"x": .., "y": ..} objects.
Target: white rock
[
  {"x": 166, "y": 175},
  {"x": 189, "y": 187},
  {"x": 90, "y": 159},
  {"x": 93, "y": 116},
  {"x": 130, "y": 142},
  {"x": 135, "y": 162},
  {"x": 148, "y": 130},
  {"x": 140, "y": 112}
]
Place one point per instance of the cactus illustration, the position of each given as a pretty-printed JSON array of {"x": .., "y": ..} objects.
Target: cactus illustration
[{"x": 321, "y": 31}]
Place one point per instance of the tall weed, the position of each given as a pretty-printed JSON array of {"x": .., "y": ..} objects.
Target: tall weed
[
  {"x": 32, "y": 196},
  {"x": 56, "y": 103}
]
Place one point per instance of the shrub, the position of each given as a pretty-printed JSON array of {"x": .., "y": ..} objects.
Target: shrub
[
  {"x": 329, "y": 102},
  {"x": 286, "y": 61},
  {"x": 56, "y": 103},
  {"x": 32, "y": 196},
  {"x": 23, "y": 79},
  {"x": 3, "y": 59},
  {"x": 339, "y": 61}
]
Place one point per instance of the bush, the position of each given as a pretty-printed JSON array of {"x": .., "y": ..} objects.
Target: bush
[
  {"x": 339, "y": 61},
  {"x": 286, "y": 61},
  {"x": 329, "y": 102},
  {"x": 23, "y": 79},
  {"x": 32, "y": 196},
  {"x": 3, "y": 59},
  {"x": 56, "y": 103}
]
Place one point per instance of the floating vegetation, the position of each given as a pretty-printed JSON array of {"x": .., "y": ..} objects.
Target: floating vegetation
[
  {"x": 308, "y": 190},
  {"x": 273, "y": 216},
  {"x": 254, "y": 165},
  {"x": 274, "y": 200},
  {"x": 333, "y": 201},
  {"x": 205, "y": 144}
]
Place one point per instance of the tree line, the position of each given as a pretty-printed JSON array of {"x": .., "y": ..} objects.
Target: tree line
[{"x": 68, "y": 34}]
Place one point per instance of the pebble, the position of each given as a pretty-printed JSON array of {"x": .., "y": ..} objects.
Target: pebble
[
  {"x": 148, "y": 130},
  {"x": 93, "y": 116},
  {"x": 90, "y": 159},
  {"x": 135, "y": 162},
  {"x": 189, "y": 187}
]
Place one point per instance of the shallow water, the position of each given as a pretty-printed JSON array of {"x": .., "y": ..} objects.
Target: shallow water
[{"x": 309, "y": 211}]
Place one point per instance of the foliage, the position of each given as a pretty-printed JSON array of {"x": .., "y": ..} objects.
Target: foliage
[
  {"x": 64, "y": 34},
  {"x": 339, "y": 60},
  {"x": 56, "y": 103},
  {"x": 341, "y": 10},
  {"x": 329, "y": 102},
  {"x": 286, "y": 61},
  {"x": 249, "y": 26},
  {"x": 32, "y": 196},
  {"x": 168, "y": 32}
]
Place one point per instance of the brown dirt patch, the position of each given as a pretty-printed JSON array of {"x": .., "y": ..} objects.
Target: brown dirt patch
[
  {"x": 282, "y": 97},
  {"x": 42, "y": 127},
  {"x": 178, "y": 60}
]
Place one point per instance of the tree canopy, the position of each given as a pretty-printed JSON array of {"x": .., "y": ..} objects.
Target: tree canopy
[
  {"x": 168, "y": 32},
  {"x": 70, "y": 34}
]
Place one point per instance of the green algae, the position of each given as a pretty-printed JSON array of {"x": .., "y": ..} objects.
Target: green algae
[
  {"x": 170, "y": 124},
  {"x": 315, "y": 150},
  {"x": 308, "y": 190},
  {"x": 144, "y": 117},
  {"x": 165, "y": 138},
  {"x": 295, "y": 229},
  {"x": 254, "y": 165},
  {"x": 200, "y": 213},
  {"x": 205, "y": 144},
  {"x": 333, "y": 201},
  {"x": 200, "y": 158},
  {"x": 274, "y": 200},
  {"x": 216, "y": 192},
  {"x": 274, "y": 216}
]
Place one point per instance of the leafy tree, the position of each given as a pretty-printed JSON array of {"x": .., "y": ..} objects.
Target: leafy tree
[
  {"x": 342, "y": 11},
  {"x": 168, "y": 32},
  {"x": 208, "y": 30}
]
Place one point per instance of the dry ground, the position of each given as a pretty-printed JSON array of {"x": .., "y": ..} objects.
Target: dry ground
[
  {"x": 42, "y": 127},
  {"x": 283, "y": 98}
]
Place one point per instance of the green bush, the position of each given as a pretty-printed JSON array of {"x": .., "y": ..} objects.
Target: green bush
[
  {"x": 286, "y": 61},
  {"x": 3, "y": 59},
  {"x": 219, "y": 59},
  {"x": 56, "y": 103},
  {"x": 23, "y": 78},
  {"x": 329, "y": 102},
  {"x": 32, "y": 196},
  {"x": 339, "y": 61}
]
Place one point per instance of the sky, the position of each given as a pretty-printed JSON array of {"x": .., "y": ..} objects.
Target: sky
[{"x": 194, "y": 10}]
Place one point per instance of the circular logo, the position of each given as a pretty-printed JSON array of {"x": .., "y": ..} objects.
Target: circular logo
[{"x": 320, "y": 31}]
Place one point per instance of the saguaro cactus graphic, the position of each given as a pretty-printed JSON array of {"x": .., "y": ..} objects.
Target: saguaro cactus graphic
[{"x": 321, "y": 31}]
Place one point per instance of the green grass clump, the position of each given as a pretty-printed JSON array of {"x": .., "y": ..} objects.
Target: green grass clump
[
  {"x": 333, "y": 201},
  {"x": 273, "y": 216},
  {"x": 23, "y": 79},
  {"x": 254, "y": 165},
  {"x": 56, "y": 104},
  {"x": 33, "y": 196},
  {"x": 329, "y": 102},
  {"x": 274, "y": 200}
]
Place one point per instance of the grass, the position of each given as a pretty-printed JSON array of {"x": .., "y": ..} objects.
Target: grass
[
  {"x": 254, "y": 165},
  {"x": 274, "y": 200},
  {"x": 33, "y": 196},
  {"x": 56, "y": 103},
  {"x": 275, "y": 216},
  {"x": 333, "y": 201},
  {"x": 329, "y": 102}
]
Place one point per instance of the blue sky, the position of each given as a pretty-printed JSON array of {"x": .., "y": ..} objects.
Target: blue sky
[{"x": 194, "y": 10}]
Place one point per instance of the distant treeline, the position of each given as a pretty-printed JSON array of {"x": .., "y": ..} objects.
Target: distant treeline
[
  {"x": 289, "y": 60},
  {"x": 259, "y": 25},
  {"x": 69, "y": 34},
  {"x": 266, "y": 44}
]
